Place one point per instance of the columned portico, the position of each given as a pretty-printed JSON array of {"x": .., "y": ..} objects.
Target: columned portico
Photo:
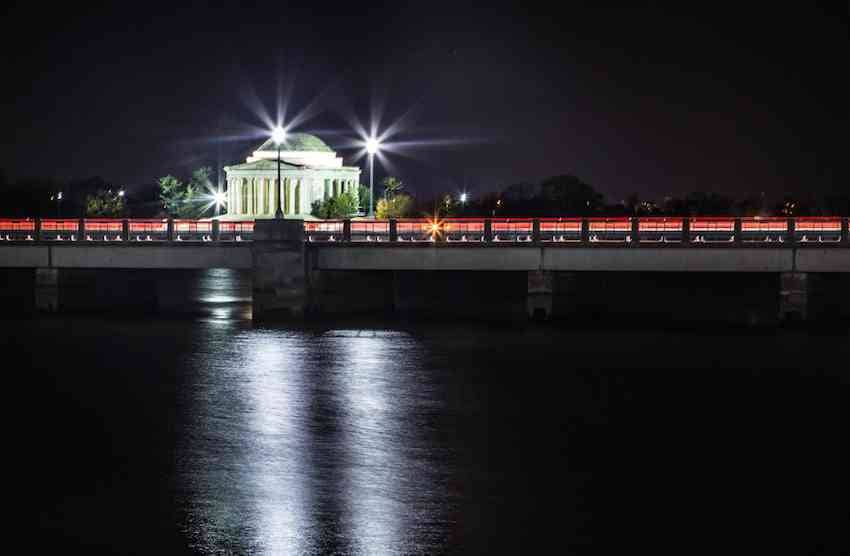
[{"x": 310, "y": 171}]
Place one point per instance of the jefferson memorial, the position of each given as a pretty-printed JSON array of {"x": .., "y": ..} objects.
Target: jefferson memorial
[{"x": 310, "y": 171}]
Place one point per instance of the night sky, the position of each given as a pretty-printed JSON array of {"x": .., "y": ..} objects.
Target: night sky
[{"x": 727, "y": 99}]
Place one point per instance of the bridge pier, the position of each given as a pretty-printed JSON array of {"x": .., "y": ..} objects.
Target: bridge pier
[
  {"x": 793, "y": 296},
  {"x": 279, "y": 269},
  {"x": 46, "y": 289},
  {"x": 539, "y": 296}
]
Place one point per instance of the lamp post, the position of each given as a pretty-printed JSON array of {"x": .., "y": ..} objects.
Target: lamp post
[
  {"x": 372, "y": 148},
  {"x": 220, "y": 198},
  {"x": 279, "y": 137}
]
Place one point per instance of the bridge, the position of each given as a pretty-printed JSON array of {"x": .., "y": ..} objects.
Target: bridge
[{"x": 289, "y": 257}]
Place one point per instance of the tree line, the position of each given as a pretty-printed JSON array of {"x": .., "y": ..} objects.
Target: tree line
[
  {"x": 568, "y": 195},
  {"x": 562, "y": 195}
]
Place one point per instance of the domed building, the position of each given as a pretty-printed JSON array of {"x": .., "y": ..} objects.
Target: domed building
[{"x": 309, "y": 169}]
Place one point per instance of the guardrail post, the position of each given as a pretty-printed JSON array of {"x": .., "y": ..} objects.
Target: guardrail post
[
  {"x": 686, "y": 231},
  {"x": 125, "y": 230},
  {"x": 393, "y": 230},
  {"x": 585, "y": 230},
  {"x": 738, "y": 239},
  {"x": 170, "y": 229},
  {"x": 37, "y": 231},
  {"x": 790, "y": 230},
  {"x": 845, "y": 230},
  {"x": 81, "y": 230},
  {"x": 346, "y": 229},
  {"x": 535, "y": 230},
  {"x": 488, "y": 230},
  {"x": 635, "y": 231},
  {"x": 216, "y": 230}
]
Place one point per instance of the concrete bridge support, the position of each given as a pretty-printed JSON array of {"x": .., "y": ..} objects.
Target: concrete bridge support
[
  {"x": 280, "y": 270},
  {"x": 47, "y": 289},
  {"x": 539, "y": 296},
  {"x": 793, "y": 296}
]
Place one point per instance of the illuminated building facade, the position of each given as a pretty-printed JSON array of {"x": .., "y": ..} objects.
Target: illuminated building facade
[{"x": 310, "y": 171}]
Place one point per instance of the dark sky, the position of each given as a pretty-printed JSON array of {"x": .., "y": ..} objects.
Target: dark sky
[{"x": 731, "y": 99}]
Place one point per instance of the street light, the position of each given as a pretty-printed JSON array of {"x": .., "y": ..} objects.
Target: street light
[
  {"x": 463, "y": 198},
  {"x": 372, "y": 146},
  {"x": 220, "y": 198},
  {"x": 279, "y": 137}
]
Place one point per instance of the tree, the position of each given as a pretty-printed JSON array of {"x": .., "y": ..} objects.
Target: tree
[
  {"x": 700, "y": 203},
  {"x": 392, "y": 187},
  {"x": 341, "y": 206},
  {"x": 446, "y": 206},
  {"x": 518, "y": 192},
  {"x": 837, "y": 204},
  {"x": 171, "y": 192},
  {"x": 200, "y": 180},
  {"x": 568, "y": 195},
  {"x": 183, "y": 200},
  {"x": 363, "y": 196},
  {"x": 752, "y": 205},
  {"x": 632, "y": 203},
  {"x": 398, "y": 206},
  {"x": 105, "y": 203},
  {"x": 190, "y": 207}
]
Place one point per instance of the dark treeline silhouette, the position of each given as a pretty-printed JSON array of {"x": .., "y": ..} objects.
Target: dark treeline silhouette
[
  {"x": 41, "y": 197},
  {"x": 563, "y": 195},
  {"x": 567, "y": 195}
]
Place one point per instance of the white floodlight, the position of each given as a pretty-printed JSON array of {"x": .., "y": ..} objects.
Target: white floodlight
[{"x": 279, "y": 135}]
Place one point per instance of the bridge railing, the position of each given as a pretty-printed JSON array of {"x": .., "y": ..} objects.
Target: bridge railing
[
  {"x": 104, "y": 229},
  {"x": 661, "y": 230},
  {"x": 18, "y": 229},
  {"x": 816, "y": 229},
  {"x": 617, "y": 231},
  {"x": 512, "y": 229},
  {"x": 325, "y": 230},
  {"x": 463, "y": 229},
  {"x": 235, "y": 231},
  {"x": 610, "y": 230},
  {"x": 148, "y": 229},
  {"x": 369, "y": 230},
  {"x": 560, "y": 230}
]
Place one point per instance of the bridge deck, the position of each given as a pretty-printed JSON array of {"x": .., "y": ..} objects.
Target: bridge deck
[
  {"x": 673, "y": 244},
  {"x": 438, "y": 257}
]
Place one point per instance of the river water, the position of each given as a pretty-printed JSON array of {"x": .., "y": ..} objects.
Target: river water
[{"x": 203, "y": 433}]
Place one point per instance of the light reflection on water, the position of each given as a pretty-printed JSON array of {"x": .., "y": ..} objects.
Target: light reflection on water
[
  {"x": 210, "y": 432},
  {"x": 308, "y": 443},
  {"x": 221, "y": 294}
]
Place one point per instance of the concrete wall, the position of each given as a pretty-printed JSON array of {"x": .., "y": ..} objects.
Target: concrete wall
[
  {"x": 164, "y": 256},
  {"x": 431, "y": 257},
  {"x": 575, "y": 259},
  {"x": 823, "y": 260},
  {"x": 292, "y": 278}
]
